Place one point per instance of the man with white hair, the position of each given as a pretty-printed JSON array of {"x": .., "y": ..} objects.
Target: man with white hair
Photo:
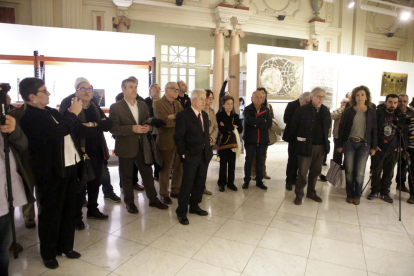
[
  {"x": 292, "y": 165},
  {"x": 192, "y": 139},
  {"x": 310, "y": 127}
]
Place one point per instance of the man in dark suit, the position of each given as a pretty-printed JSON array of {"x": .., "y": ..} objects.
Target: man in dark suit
[
  {"x": 292, "y": 165},
  {"x": 193, "y": 144},
  {"x": 128, "y": 117}
]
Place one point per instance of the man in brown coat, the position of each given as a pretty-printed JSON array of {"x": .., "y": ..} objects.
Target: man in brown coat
[
  {"x": 128, "y": 116},
  {"x": 165, "y": 109}
]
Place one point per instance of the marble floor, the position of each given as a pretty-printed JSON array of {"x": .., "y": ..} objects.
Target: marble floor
[{"x": 248, "y": 232}]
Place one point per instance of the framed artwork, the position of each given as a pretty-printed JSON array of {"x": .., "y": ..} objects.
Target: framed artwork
[
  {"x": 99, "y": 95},
  {"x": 393, "y": 83},
  {"x": 282, "y": 76}
]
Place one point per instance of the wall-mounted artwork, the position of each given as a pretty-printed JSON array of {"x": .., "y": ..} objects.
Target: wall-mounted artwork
[
  {"x": 99, "y": 95},
  {"x": 325, "y": 78},
  {"x": 393, "y": 83},
  {"x": 282, "y": 76}
]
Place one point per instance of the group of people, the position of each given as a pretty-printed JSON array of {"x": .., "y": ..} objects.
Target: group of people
[
  {"x": 360, "y": 130},
  {"x": 63, "y": 154}
]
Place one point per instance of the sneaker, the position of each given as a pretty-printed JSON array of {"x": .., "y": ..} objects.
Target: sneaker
[
  {"x": 96, "y": 214},
  {"x": 410, "y": 200},
  {"x": 372, "y": 195},
  {"x": 113, "y": 198},
  {"x": 387, "y": 198}
]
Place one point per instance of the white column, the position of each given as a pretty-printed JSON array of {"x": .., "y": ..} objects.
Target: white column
[
  {"x": 409, "y": 46},
  {"x": 234, "y": 65},
  {"x": 72, "y": 14},
  {"x": 347, "y": 24},
  {"x": 218, "y": 66},
  {"x": 42, "y": 13},
  {"x": 360, "y": 21}
]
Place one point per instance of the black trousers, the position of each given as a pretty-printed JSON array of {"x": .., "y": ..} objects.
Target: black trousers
[
  {"x": 92, "y": 187},
  {"x": 337, "y": 156},
  {"x": 193, "y": 183},
  {"x": 57, "y": 208},
  {"x": 107, "y": 188},
  {"x": 404, "y": 170},
  {"x": 383, "y": 162},
  {"x": 134, "y": 175},
  {"x": 126, "y": 167},
  {"x": 292, "y": 165},
  {"x": 251, "y": 150},
  {"x": 411, "y": 177},
  {"x": 227, "y": 167}
]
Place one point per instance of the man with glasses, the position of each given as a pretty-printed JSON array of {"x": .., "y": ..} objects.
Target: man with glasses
[
  {"x": 336, "y": 116},
  {"x": 310, "y": 127},
  {"x": 166, "y": 109}
]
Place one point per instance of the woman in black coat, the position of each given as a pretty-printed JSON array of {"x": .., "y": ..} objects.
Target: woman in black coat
[
  {"x": 54, "y": 160},
  {"x": 227, "y": 121}
]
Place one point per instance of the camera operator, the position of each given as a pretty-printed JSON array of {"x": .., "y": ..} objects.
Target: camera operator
[
  {"x": 383, "y": 162},
  {"x": 20, "y": 185},
  {"x": 405, "y": 111}
]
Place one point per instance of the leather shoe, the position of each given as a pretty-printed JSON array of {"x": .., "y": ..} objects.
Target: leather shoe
[
  {"x": 166, "y": 200},
  {"x": 79, "y": 225},
  {"x": 138, "y": 187},
  {"x": 245, "y": 186},
  {"x": 51, "y": 264},
  {"x": 70, "y": 254},
  {"x": 403, "y": 189},
  {"x": 349, "y": 200},
  {"x": 322, "y": 178},
  {"x": 173, "y": 195},
  {"x": 314, "y": 197},
  {"x": 261, "y": 186},
  {"x": 183, "y": 220},
  {"x": 198, "y": 211},
  {"x": 207, "y": 192},
  {"x": 297, "y": 201},
  {"x": 96, "y": 214},
  {"x": 289, "y": 187},
  {"x": 266, "y": 176},
  {"x": 131, "y": 208},
  {"x": 222, "y": 188},
  {"x": 157, "y": 203},
  {"x": 232, "y": 187}
]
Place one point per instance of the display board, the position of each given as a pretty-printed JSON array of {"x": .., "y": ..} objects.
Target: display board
[{"x": 337, "y": 73}]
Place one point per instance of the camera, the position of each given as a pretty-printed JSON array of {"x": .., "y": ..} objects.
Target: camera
[
  {"x": 403, "y": 120},
  {"x": 5, "y": 87},
  {"x": 389, "y": 34}
]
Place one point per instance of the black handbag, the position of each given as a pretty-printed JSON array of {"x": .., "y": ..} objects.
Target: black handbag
[
  {"x": 88, "y": 174},
  {"x": 228, "y": 140}
]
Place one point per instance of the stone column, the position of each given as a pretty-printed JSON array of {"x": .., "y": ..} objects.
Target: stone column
[
  {"x": 218, "y": 65},
  {"x": 42, "y": 13},
  {"x": 122, "y": 22},
  {"x": 234, "y": 66},
  {"x": 409, "y": 46},
  {"x": 72, "y": 14},
  {"x": 347, "y": 24},
  {"x": 360, "y": 21}
]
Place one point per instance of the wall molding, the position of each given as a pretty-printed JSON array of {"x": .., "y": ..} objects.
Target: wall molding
[{"x": 15, "y": 6}]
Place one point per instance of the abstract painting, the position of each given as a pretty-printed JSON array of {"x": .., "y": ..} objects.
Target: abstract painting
[
  {"x": 282, "y": 76},
  {"x": 393, "y": 83}
]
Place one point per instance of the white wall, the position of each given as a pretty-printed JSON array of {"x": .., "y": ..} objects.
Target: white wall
[{"x": 353, "y": 71}]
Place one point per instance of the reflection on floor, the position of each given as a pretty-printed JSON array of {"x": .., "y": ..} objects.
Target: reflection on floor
[{"x": 248, "y": 232}]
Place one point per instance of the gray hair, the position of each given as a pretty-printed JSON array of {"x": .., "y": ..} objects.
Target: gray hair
[
  {"x": 195, "y": 92},
  {"x": 315, "y": 91},
  {"x": 257, "y": 91},
  {"x": 305, "y": 96},
  {"x": 168, "y": 85},
  {"x": 403, "y": 95},
  {"x": 152, "y": 86},
  {"x": 124, "y": 82}
]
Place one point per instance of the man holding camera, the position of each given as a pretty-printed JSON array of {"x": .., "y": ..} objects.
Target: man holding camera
[{"x": 383, "y": 162}]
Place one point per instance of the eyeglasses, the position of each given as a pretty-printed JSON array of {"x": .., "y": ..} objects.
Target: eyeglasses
[
  {"x": 43, "y": 91},
  {"x": 175, "y": 89},
  {"x": 320, "y": 97},
  {"x": 83, "y": 89}
]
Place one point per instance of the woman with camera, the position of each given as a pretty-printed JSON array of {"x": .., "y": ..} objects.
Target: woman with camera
[
  {"x": 357, "y": 139},
  {"x": 229, "y": 145},
  {"x": 54, "y": 160}
]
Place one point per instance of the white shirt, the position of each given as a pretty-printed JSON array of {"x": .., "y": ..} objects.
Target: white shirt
[
  {"x": 201, "y": 116},
  {"x": 134, "y": 110},
  {"x": 71, "y": 154},
  {"x": 19, "y": 194}
]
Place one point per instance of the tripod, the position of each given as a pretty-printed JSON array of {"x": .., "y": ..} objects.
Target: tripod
[
  {"x": 6, "y": 149},
  {"x": 400, "y": 147}
]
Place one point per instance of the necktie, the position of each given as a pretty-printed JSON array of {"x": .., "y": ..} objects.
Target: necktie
[{"x": 199, "y": 118}]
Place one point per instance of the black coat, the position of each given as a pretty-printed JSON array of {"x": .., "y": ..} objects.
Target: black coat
[
  {"x": 148, "y": 101},
  {"x": 370, "y": 127},
  {"x": 46, "y": 140},
  {"x": 256, "y": 126},
  {"x": 189, "y": 137},
  {"x": 228, "y": 121},
  {"x": 303, "y": 124},
  {"x": 287, "y": 118}
]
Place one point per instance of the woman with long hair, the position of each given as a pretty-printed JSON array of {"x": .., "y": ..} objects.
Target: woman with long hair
[{"x": 357, "y": 139}]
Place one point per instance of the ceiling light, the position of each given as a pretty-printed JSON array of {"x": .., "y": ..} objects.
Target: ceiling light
[
  {"x": 405, "y": 15},
  {"x": 350, "y": 3}
]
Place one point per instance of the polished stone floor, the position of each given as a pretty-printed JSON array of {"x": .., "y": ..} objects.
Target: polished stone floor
[{"x": 248, "y": 232}]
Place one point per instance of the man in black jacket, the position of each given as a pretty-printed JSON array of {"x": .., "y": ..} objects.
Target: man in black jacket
[
  {"x": 292, "y": 165},
  {"x": 384, "y": 160},
  {"x": 192, "y": 139},
  {"x": 182, "y": 96},
  {"x": 310, "y": 127},
  {"x": 257, "y": 121}
]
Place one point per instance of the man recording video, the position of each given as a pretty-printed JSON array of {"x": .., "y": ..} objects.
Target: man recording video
[{"x": 19, "y": 182}]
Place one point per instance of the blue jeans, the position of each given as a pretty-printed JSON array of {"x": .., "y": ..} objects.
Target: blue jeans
[
  {"x": 356, "y": 156},
  {"x": 6, "y": 240}
]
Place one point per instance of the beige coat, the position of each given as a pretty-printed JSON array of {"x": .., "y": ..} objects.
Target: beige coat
[
  {"x": 213, "y": 126},
  {"x": 336, "y": 115}
]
